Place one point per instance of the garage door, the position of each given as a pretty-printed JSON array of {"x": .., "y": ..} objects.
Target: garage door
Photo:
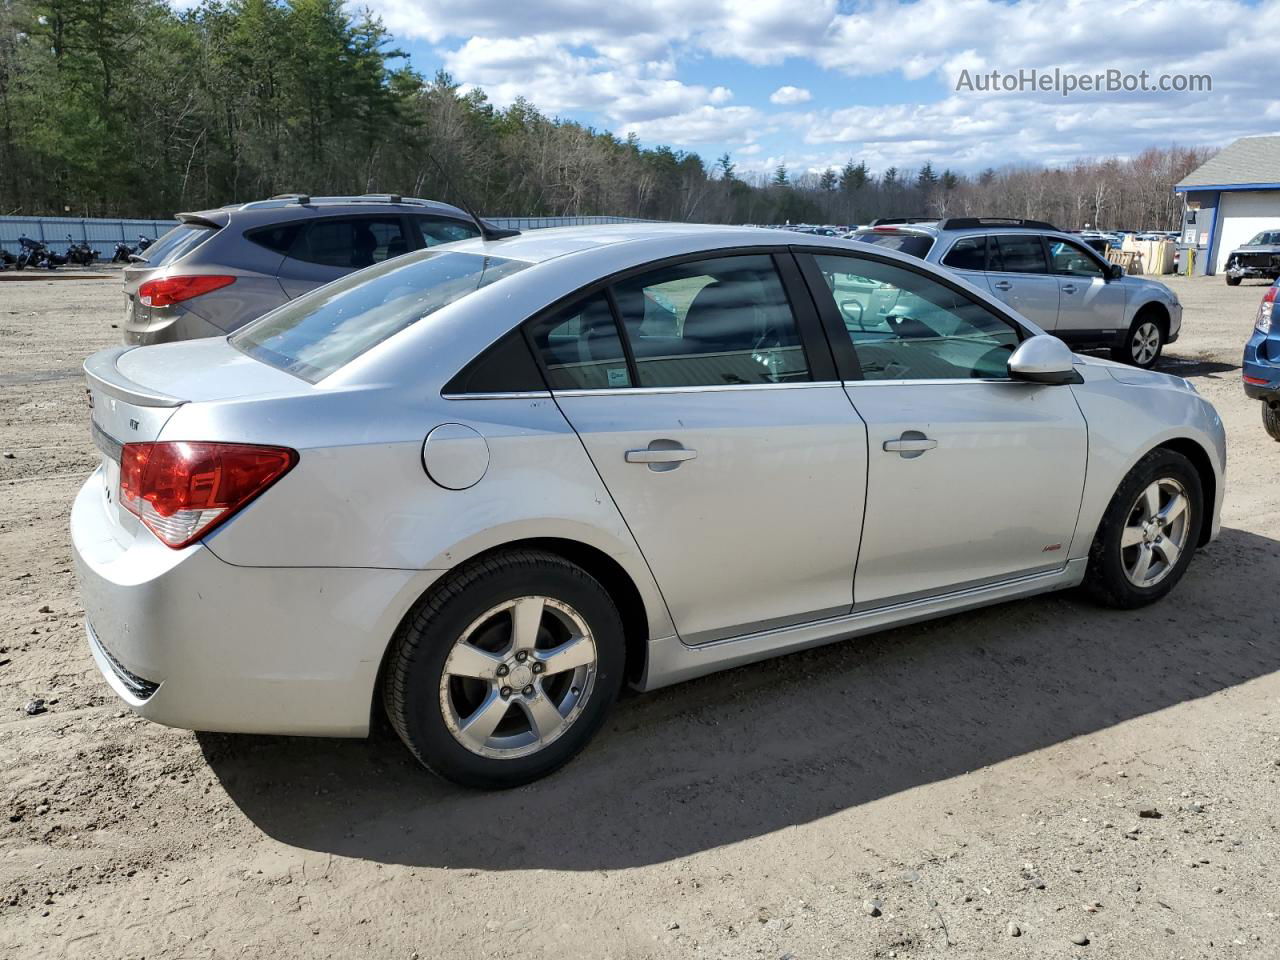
[{"x": 1243, "y": 215}]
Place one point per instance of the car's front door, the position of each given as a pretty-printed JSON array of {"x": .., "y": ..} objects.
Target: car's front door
[
  {"x": 1018, "y": 273},
  {"x": 972, "y": 477},
  {"x": 723, "y": 435},
  {"x": 1089, "y": 306}
]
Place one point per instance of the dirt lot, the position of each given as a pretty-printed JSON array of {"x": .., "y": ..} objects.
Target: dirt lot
[{"x": 922, "y": 793}]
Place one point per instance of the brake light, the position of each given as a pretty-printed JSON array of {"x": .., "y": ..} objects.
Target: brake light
[
  {"x": 182, "y": 490},
  {"x": 1266, "y": 309},
  {"x": 170, "y": 290}
]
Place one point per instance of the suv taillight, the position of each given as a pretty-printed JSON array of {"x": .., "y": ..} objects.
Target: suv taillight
[
  {"x": 182, "y": 489},
  {"x": 1265, "y": 309},
  {"x": 170, "y": 290}
]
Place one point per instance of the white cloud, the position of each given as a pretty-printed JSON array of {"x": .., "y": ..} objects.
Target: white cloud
[
  {"x": 622, "y": 61},
  {"x": 790, "y": 95}
]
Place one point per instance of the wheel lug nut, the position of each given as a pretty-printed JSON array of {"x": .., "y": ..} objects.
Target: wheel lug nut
[
  {"x": 528, "y": 691},
  {"x": 506, "y": 692},
  {"x": 538, "y": 667},
  {"x": 522, "y": 656},
  {"x": 503, "y": 669}
]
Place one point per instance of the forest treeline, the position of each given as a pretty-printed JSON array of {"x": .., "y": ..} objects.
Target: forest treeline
[{"x": 130, "y": 108}]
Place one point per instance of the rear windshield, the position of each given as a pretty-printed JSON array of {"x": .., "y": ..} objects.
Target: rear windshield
[
  {"x": 326, "y": 329},
  {"x": 912, "y": 244},
  {"x": 178, "y": 242}
]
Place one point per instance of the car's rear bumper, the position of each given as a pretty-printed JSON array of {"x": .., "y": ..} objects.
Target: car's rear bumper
[
  {"x": 190, "y": 641},
  {"x": 1262, "y": 362}
]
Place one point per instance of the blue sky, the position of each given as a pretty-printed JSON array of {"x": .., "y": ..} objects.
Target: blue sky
[{"x": 811, "y": 83}]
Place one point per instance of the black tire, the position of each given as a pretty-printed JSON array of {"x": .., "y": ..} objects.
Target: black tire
[
  {"x": 1233, "y": 281},
  {"x": 1271, "y": 420},
  {"x": 1106, "y": 580},
  {"x": 1148, "y": 323},
  {"x": 422, "y": 645}
]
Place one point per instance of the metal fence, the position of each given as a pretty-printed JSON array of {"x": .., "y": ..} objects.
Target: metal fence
[{"x": 105, "y": 234}]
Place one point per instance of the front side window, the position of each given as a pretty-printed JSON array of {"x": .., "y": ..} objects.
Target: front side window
[
  {"x": 350, "y": 242},
  {"x": 1070, "y": 260},
  {"x": 717, "y": 322},
  {"x": 906, "y": 326},
  {"x": 1020, "y": 253},
  {"x": 323, "y": 330},
  {"x": 579, "y": 347}
]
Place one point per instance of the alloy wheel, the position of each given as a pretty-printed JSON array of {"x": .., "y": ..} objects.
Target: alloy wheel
[
  {"x": 1145, "y": 343},
  {"x": 1155, "y": 533},
  {"x": 518, "y": 677}
]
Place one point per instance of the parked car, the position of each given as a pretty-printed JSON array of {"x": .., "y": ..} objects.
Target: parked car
[
  {"x": 1261, "y": 368},
  {"x": 1259, "y": 258},
  {"x": 485, "y": 485},
  {"x": 219, "y": 269},
  {"x": 1050, "y": 277}
]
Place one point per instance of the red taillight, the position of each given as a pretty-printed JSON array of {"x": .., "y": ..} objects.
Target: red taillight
[
  {"x": 1270, "y": 295},
  {"x": 181, "y": 490},
  {"x": 170, "y": 290},
  {"x": 1256, "y": 381}
]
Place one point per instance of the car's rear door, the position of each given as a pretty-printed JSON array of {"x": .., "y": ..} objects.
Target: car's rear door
[
  {"x": 326, "y": 249},
  {"x": 1018, "y": 273},
  {"x": 721, "y": 432},
  {"x": 972, "y": 477}
]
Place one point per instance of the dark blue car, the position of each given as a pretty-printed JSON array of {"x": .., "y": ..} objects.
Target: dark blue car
[{"x": 1262, "y": 362}]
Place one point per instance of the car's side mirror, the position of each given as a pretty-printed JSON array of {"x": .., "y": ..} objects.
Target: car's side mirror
[
  {"x": 1114, "y": 271},
  {"x": 1044, "y": 359}
]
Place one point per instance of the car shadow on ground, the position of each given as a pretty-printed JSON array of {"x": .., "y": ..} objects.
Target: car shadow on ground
[
  {"x": 1194, "y": 367},
  {"x": 785, "y": 742}
]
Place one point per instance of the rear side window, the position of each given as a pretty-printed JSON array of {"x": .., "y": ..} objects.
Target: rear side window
[
  {"x": 436, "y": 230},
  {"x": 580, "y": 348},
  {"x": 912, "y": 244},
  {"x": 324, "y": 330},
  {"x": 968, "y": 253},
  {"x": 711, "y": 323},
  {"x": 1018, "y": 254},
  {"x": 277, "y": 239},
  {"x": 350, "y": 242},
  {"x": 178, "y": 242}
]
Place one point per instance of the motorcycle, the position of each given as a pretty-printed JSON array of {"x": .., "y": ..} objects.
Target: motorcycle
[
  {"x": 35, "y": 253},
  {"x": 80, "y": 253},
  {"x": 123, "y": 253},
  {"x": 7, "y": 259},
  {"x": 143, "y": 243}
]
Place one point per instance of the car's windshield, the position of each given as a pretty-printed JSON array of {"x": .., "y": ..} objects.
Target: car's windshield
[
  {"x": 1267, "y": 237},
  {"x": 912, "y": 244},
  {"x": 320, "y": 332},
  {"x": 178, "y": 242}
]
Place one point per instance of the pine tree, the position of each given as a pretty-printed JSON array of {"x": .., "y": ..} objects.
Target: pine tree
[
  {"x": 926, "y": 177},
  {"x": 780, "y": 176},
  {"x": 828, "y": 179}
]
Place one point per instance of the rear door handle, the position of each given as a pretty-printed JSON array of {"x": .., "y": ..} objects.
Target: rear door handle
[
  {"x": 910, "y": 445},
  {"x": 1003, "y": 285},
  {"x": 660, "y": 456}
]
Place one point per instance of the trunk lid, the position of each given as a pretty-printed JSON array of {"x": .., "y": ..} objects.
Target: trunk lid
[{"x": 134, "y": 391}]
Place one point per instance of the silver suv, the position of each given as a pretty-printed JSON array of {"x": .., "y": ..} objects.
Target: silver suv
[
  {"x": 218, "y": 269},
  {"x": 1052, "y": 278}
]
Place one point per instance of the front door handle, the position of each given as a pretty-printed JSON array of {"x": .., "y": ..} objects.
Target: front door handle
[
  {"x": 910, "y": 445},
  {"x": 1003, "y": 285},
  {"x": 1068, "y": 288}
]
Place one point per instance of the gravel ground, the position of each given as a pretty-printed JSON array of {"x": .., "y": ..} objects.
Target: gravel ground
[{"x": 1039, "y": 779}]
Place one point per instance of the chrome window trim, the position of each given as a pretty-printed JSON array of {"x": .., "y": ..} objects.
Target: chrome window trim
[
  {"x": 513, "y": 395},
  {"x": 924, "y": 381},
  {"x": 704, "y": 388}
]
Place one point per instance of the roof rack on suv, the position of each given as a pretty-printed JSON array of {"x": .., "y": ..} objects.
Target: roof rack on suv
[
  {"x": 968, "y": 223},
  {"x": 890, "y": 221},
  {"x": 285, "y": 199}
]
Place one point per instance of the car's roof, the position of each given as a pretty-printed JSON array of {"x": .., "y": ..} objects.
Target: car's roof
[
  {"x": 283, "y": 209},
  {"x": 536, "y": 246}
]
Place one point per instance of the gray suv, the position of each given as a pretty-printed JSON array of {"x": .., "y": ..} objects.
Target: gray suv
[
  {"x": 218, "y": 269},
  {"x": 1052, "y": 278}
]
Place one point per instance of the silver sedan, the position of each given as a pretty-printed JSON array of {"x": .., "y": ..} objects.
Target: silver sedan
[{"x": 485, "y": 485}]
